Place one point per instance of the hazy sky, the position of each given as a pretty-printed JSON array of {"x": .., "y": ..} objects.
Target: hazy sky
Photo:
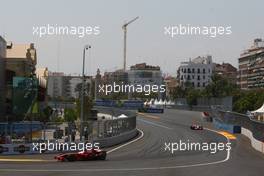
[{"x": 146, "y": 39}]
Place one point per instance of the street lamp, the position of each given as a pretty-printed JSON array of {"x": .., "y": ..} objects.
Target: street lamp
[{"x": 86, "y": 47}]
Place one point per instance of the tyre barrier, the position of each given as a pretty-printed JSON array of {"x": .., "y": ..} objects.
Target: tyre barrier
[{"x": 16, "y": 149}]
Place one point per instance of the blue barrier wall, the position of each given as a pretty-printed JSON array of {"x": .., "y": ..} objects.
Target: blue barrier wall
[
  {"x": 227, "y": 127},
  {"x": 128, "y": 104}
]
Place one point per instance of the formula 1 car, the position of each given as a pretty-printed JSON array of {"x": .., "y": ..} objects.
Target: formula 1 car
[
  {"x": 196, "y": 127},
  {"x": 88, "y": 155}
]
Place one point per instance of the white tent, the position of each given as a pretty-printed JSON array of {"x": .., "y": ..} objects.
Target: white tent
[
  {"x": 170, "y": 102},
  {"x": 122, "y": 116},
  {"x": 260, "y": 110}
]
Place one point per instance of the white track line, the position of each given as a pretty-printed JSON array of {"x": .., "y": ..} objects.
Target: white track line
[
  {"x": 228, "y": 141},
  {"x": 110, "y": 151},
  {"x": 155, "y": 124},
  {"x": 130, "y": 142},
  {"x": 128, "y": 169}
]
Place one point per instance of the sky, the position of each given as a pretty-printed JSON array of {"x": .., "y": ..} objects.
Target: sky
[{"x": 146, "y": 41}]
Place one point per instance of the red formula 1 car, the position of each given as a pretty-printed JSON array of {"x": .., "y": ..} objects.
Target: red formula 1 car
[
  {"x": 93, "y": 154},
  {"x": 196, "y": 127}
]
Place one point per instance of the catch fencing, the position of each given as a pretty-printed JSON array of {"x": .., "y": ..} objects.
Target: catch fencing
[{"x": 111, "y": 127}]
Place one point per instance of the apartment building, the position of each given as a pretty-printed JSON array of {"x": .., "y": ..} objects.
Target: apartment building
[
  {"x": 251, "y": 66},
  {"x": 196, "y": 72}
]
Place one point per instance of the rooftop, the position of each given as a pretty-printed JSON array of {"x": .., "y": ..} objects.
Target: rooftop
[
  {"x": 144, "y": 66},
  {"x": 199, "y": 60},
  {"x": 257, "y": 47},
  {"x": 20, "y": 51}
]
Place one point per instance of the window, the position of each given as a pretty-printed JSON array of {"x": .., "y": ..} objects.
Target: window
[
  {"x": 203, "y": 77},
  {"x": 203, "y": 71},
  {"x": 188, "y": 77},
  {"x": 198, "y": 77},
  {"x": 198, "y": 84},
  {"x": 203, "y": 84},
  {"x": 198, "y": 70},
  {"x": 189, "y": 70},
  {"x": 193, "y": 70}
]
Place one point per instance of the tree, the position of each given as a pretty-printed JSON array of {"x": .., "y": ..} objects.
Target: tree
[
  {"x": 245, "y": 100},
  {"x": 46, "y": 113},
  {"x": 192, "y": 97},
  {"x": 178, "y": 92},
  {"x": 88, "y": 105},
  {"x": 70, "y": 115},
  {"x": 219, "y": 87}
]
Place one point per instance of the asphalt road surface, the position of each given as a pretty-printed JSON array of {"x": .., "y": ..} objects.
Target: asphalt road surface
[{"x": 147, "y": 154}]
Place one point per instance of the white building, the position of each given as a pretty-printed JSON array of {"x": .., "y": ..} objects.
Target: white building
[{"x": 197, "y": 72}]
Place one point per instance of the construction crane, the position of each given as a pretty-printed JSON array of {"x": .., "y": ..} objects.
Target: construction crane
[{"x": 124, "y": 27}]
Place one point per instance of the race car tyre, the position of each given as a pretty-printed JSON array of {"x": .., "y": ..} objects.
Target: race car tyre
[
  {"x": 102, "y": 157},
  {"x": 70, "y": 158}
]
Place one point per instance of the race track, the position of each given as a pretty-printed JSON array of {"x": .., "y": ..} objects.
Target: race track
[{"x": 147, "y": 155}]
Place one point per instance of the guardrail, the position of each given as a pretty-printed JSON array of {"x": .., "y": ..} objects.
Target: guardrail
[
  {"x": 15, "y": 137},
  {"x": 256, "y": 127},
  {"x": 251, "y": 128}
]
